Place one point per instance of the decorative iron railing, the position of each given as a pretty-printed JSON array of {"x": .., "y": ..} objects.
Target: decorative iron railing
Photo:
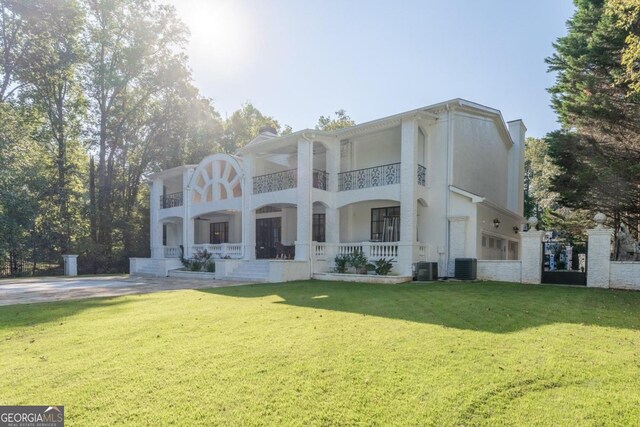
[
  {"x": 171, "y": 200},
  {"x": 370, "y": 177},
  {"x": 422, "y": 175},
  {"x": 275, "y": 181},
  {"x": 320, "y": 179}
]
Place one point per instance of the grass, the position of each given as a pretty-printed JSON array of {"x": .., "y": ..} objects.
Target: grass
[{"x": 330, "y": 353}]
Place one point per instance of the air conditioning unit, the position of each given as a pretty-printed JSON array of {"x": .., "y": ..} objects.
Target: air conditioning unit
[
  {"x": 466, "y": 268},
  {"x": 425, "y": 271}
]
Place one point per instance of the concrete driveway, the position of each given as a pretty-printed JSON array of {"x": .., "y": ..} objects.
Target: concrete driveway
[{"x": 46, "y": 289}]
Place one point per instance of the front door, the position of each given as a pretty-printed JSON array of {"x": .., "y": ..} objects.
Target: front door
[{"x": 268, "y": 233}]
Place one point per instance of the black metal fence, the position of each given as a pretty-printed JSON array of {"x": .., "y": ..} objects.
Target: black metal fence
[
  {"x": 369, "y": 177},
  {"x": 13, "y": 265},
  {"x": 275, "y": 181},
  {"x": 171, "y": 200}
]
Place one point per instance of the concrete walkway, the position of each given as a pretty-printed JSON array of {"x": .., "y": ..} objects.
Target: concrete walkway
[{"x": 47, "y": 289}]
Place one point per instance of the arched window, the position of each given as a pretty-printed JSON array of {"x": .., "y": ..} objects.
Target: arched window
[{"x": 218, "y": 177}]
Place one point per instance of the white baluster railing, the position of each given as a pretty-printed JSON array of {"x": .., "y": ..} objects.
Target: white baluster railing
[
  {"x": 221, "y": 250},
  {"x": 349, "y": 248},
  {"x": 319, "y": 250},
  {"x": 385, "y": 250},
  {"x": 171, "y": 252}
]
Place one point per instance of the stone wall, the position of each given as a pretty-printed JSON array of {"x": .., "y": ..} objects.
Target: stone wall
[
  {"x": 624, "y": 275},
  {"x": 502, "y": 271}
]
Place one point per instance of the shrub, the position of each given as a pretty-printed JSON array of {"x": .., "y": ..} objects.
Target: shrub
[
  {"x": 196, "y": 265},
  {"x": 358, "y": 261},
  {"x": 341, "y": 262},
  {"x": 382, "y": 267},
  {"x": 211, "y": 267}
]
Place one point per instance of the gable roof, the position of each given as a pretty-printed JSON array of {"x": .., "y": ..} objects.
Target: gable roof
[{"x": 431, "y": 111}]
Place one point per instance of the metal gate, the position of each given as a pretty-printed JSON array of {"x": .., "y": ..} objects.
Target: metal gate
[{"x": 564, "y": 263}]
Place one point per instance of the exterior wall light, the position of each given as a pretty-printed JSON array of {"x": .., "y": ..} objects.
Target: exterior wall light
[
  {"x": 516, "y": 229},
  {"x": 496, "y": 222}
]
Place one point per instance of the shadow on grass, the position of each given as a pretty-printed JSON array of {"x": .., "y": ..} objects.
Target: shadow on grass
[
  {"x": 39, "y": 313},
  {"x": 489, "y": 306}
]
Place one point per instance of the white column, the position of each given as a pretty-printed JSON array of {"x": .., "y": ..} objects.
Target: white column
[
  {"x": 457, "y": 241},
  {"x": 332, "y": 214},
  {"x": 157, "y": 251},
  {"x": 408, "y": 194},
  {"x": 70, "y": 265},
  {"x": 304, "y": 211},
  {"x": 248, "y": 213},
  {"x": 532, "y": 253},
  {"x": 187, "y": 222},
  {"x": 599, "y": 254}
]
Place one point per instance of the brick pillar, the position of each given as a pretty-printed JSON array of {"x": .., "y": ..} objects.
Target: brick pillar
[
  {"x": 599, "y": 254},
  {"x": 532, "y": 253},
  {"x": 457, "y": 241}
]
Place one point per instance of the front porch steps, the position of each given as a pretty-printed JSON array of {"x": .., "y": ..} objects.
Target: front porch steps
[
  {"x": 149, "y": 269},
  {"x": 254, "y": 271}
]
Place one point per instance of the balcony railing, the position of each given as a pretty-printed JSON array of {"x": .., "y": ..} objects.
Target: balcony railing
[
  {"x": 221, "y": 250},
  {"x": 172, "y": 252},
  {"x": 422, "y": 175},
  {"x": 171, "y": 200},
  {"x": 320, "y": 179},
  {"x": 275, "y": 181},
  {"x": 370, "y": 177}
]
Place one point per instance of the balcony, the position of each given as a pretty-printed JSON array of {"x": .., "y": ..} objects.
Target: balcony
[
  {"x": 369, "y": 177},
  {"x": 422, "y": 175},
  {"x": 285, "y": 180},
  {"x": 320, "y": 179},
  {"x": 171, "y": 200},
  {"x": 275, "y": 181}
]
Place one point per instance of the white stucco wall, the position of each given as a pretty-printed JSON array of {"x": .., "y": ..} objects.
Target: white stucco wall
[
  {"x": 480, "y": 158},
  {"x": 376, "y": 149},
  {"x": 624, "y": 275},
  {"x": 504, "y": 231},
  {"x": 355, "y": 220},
  {"x": 501, "y": 271},
  {"x": 202, "y": 228}
]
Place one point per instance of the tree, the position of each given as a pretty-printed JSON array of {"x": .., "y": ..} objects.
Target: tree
[
  {"x": 50, "y": 83},
  {"x": 539, "y": 171},
  {"x": 243, "y": 125},
  {"x": 135, "y": 53},
  {"x": 598, "y": 148},
  {"x": 342, "y": 120},
  {"x": 626, "y": 15}
]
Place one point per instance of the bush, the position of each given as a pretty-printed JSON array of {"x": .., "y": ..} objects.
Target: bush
[
  {"x": 341, "y": 262},
  {"x": 196, "y": 265},
  {"x": 211, "y": 267},
  {"x": 382, "y": 267},
  {"x": 359, "y": 262}
]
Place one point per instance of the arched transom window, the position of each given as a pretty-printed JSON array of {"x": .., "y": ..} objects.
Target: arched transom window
[{"x": 216, "y": 178}]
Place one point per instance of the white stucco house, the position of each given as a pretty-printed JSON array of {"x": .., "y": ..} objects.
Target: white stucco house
[{"x": 432, "y": 184}]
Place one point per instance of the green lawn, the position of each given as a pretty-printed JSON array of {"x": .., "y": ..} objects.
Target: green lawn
[{"x": 328, "y": 353}]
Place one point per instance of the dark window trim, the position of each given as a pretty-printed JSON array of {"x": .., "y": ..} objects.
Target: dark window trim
[
  {"x": 377, "y": 233},
  {"x": 318, "y": 227},
  {"x": 224, "y": 229}
]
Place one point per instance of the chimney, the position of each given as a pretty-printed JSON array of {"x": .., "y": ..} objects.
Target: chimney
[
  {"x": 268, "y": 131},
  {"x": 515, "y": 198}
]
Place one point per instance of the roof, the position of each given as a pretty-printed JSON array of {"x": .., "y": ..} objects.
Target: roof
[{"x": 432, "y": 111}]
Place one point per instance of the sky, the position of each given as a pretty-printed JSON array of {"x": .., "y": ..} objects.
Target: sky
[{"x": 297, "y": 60}]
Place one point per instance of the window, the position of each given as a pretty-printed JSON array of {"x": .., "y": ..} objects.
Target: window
[
  {"x": 219, "y": 232},
  {"x": 484, "y": 242},
  {"x": 164, "y": 234},
  {"x": 385, "y": 224},
  {"x": 318, "y": 227}
]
